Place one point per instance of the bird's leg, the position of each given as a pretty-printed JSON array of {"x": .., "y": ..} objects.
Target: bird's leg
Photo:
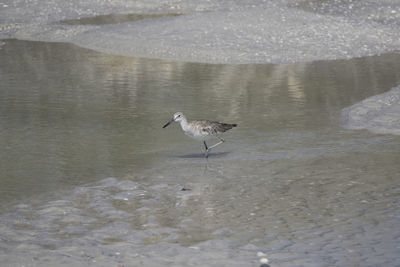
[
  {"x": 206, "y": 154},
  {"x": 220, "y": 142}
]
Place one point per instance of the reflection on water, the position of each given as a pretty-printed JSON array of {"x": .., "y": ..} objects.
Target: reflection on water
[{"x": 289, "y": 180}]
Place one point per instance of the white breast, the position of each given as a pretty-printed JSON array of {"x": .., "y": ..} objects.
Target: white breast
[{"x": 196, "y": 135}]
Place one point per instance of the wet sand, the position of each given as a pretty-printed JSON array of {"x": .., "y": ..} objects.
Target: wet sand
[
  {"x": 289, "y": 182},
  {"x": 223, "y": 31}
]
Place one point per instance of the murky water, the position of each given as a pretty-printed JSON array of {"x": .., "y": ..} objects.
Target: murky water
[
  {"x": 116, "y": 18},
  {"x": 289, "y": 182}
]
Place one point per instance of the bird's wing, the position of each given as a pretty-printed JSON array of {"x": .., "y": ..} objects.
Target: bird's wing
[{"x": 212, "y": 127}]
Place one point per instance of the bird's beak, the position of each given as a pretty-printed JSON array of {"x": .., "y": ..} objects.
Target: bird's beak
[{"x": 168, "y": 123}]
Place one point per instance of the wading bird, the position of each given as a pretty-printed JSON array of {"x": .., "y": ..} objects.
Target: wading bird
[{"x": 202, "y": 130}]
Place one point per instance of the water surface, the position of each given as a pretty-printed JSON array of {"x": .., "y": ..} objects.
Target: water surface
[
  {"x": 289, "y": 182},
  {"x": 115, "y": 18}
]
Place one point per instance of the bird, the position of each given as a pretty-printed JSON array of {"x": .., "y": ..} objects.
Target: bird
[{"x": 202, "y": 130}]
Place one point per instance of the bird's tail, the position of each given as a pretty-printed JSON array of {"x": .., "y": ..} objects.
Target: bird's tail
[{"x": 227, "y": 126}]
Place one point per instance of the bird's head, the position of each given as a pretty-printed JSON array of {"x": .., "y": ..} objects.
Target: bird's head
[{"x": 178, "y": 117}]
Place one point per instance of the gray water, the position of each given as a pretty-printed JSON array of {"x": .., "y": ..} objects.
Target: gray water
[{"x": 89, "y": 177}]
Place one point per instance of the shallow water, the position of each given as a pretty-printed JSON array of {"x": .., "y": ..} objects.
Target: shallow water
[
  {"x": 289, "y": 182},
  {"x": 115, "y": 18}
]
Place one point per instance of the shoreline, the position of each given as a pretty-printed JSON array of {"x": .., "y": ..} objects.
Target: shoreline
[{"x": 261, "y": 33}]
